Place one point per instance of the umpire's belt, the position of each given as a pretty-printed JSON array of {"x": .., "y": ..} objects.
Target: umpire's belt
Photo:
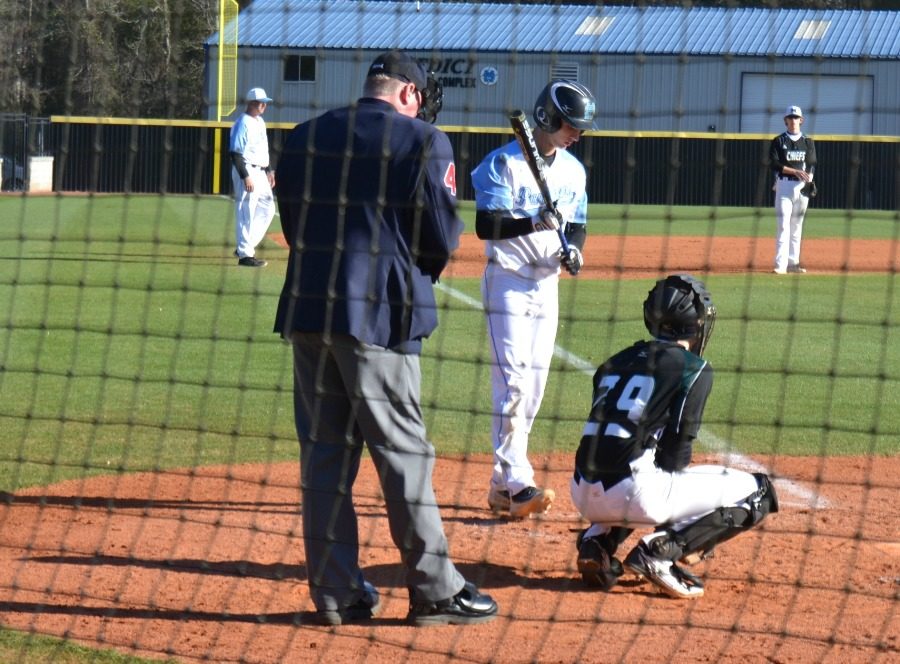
[{"x": 607, "y": 479}]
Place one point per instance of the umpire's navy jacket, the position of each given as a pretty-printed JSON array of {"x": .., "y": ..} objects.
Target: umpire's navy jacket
[{"x": 367, "y": 199}]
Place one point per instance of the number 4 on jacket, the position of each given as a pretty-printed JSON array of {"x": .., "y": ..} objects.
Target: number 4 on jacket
[{"x": 450, "y": 178}]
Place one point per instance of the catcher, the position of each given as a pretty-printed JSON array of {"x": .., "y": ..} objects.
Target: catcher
[{"x": 631, "y": 468}]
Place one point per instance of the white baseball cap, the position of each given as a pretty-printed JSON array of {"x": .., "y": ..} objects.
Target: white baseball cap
[
  {"x": 258, "y": 94},
  {"x": 794, "y": 111}
]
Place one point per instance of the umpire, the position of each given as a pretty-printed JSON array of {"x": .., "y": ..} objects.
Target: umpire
[{"x": 367, "y": 196}]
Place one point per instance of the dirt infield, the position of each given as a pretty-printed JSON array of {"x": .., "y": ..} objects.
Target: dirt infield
[
  {"x": 643, "y": 256},
  {"x": 207, "y": 565}
]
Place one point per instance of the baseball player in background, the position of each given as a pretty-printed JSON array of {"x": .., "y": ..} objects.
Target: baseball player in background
[
  {"x": 520, "y": 282},
  {"x": 252, "y": 177},
  {"x": 632, "y": 465},
  {"x": 793, "y": 159}
]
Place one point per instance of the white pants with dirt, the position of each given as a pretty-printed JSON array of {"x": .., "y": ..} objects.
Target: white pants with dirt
[
  {"x": 790, "y": 209},
  {"x": 652, "y": 497},
  {"x": 254, "y": 210},
  {"x": 522, "y": 315}
]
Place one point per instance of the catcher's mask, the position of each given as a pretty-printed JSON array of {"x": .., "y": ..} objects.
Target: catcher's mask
[
  {"x": 680, "y": 308},
  {"x": 564, "y": 100},
  {"x": 432, "y": 99}
]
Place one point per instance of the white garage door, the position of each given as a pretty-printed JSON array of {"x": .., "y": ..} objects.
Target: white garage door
[{"x": 831, "y": 104}]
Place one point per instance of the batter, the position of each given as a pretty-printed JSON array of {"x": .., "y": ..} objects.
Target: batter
[{"x": 520, "y": 283}]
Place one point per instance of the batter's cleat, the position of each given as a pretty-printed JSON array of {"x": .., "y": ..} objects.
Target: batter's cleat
[
  {"x": 596, "y": 565},
  {"x": 796, "y": 269},
  {"x": 250, "y": 261},
  {"x": 530, "y": 500},
  {"x": 364, "y": 609},
  {"x": 467, "y": 607},
  {"x": 498, "y": 499},
  {"x": 779, "y": 270},
  {"x": 664, "y": 574}
]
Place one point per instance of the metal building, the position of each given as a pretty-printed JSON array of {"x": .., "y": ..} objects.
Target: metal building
[{"x": 652, "y": 69}]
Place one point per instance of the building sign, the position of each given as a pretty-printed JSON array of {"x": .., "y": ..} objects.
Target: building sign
[{"x": 452, "y": 72}]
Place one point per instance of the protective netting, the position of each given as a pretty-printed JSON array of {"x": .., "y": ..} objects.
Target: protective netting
[{"x": 149, "y": 469}]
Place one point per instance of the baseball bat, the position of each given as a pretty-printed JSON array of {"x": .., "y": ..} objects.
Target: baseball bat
[{"x": 535, "y": 162}]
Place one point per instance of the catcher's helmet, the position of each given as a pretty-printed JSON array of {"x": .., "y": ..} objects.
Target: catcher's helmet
[
  {"x": 432, "y": 99},
  {"x": 679, "y": 307},
  {"x": 564, "y": 100}
]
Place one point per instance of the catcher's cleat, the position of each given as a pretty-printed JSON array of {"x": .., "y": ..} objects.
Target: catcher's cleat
[
  {"x": 796, "y": 269},
  {"x": 779, "y": 270},
  {"x": 498, "y": 499},
  {"x": 664, "y": 574},
  {"x": 609, "y": 544},
  {"x": 364, "y": 609},
  {"x": 530, "y": 500},
  {"x": 596, "y": 565},
  {"x": 698, "y": 556}
]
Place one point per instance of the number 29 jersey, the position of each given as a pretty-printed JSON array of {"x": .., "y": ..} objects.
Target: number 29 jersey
[{"x": 650, "y": 395}]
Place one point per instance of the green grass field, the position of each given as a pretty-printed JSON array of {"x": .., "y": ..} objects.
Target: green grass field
[
  {"x": 133, "y": 342},
  {"x": 35, "y": 649}
]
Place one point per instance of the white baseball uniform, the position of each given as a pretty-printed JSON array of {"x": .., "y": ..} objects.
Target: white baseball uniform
[
  {"x": 790, "y": 209},
  {"x": 519, "y": 290},
  {"x": 799, "y": 152},
  {"x": 255, "y": 209}
]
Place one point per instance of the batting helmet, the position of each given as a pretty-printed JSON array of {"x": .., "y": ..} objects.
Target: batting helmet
[
  {"x": 680, "y": 308},
  {"x": 567, "y": 101}
]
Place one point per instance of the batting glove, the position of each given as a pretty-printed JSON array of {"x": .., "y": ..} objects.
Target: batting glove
[
  {"x": 573, "y": 261},
  {"x": 546, "y": 220}
]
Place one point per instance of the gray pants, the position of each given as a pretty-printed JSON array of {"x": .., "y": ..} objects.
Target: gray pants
[{"x": 347, "y": 394}]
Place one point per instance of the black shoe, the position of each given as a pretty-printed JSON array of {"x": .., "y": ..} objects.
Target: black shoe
[
  {"x": 597, "y": 567},
  {"x": 250, "y": 261},
  {"x": 610, "y": 543},
  {"x": 364, "y": 609},
  {"x": 467, "y": 607}
]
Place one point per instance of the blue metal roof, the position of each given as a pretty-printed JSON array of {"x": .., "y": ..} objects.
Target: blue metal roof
[{"x": 487, "y": 27}]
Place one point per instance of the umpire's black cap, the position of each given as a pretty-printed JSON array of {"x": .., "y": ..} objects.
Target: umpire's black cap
[{"x": 398, "y": 64}]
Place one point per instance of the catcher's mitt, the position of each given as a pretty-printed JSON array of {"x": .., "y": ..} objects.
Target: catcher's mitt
[{"x": 810, "y": 190}]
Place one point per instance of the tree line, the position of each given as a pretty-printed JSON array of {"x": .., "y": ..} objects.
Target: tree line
[
  {"x": 128, "y": 58},
  {"x": 145, "y": 58}
]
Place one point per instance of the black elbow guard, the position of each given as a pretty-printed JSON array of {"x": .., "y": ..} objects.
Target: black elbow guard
[
  {"x": 576, "y": 234},
  {"x": 495, "y": 225}
]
